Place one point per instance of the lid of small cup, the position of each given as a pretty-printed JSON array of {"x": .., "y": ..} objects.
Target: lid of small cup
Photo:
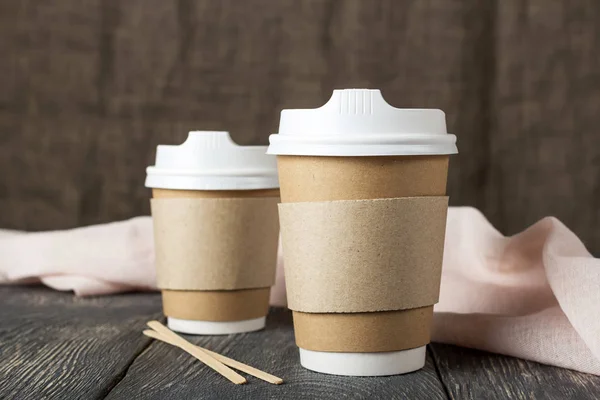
[
  {"x": 212, "y": 161},
  {"x": 359, "y": 122}
]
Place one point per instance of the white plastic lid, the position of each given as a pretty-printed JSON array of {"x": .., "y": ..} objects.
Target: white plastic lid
[
  {"x": 359, "y": 122},
  {"x": 212, "y": 161}
]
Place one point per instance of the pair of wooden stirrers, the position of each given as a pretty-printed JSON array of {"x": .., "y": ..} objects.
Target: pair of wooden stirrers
[{"x": 214, "y": 360}]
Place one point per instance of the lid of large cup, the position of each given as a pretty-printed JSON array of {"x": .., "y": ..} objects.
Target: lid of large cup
[
  {"x": 359, "y": 122},
  {"x": 212, "y": 161}
]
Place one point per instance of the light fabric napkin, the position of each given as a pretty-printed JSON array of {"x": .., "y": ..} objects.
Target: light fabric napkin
[
  {"x": 94, "y": 260},
  {"x": 535, "y": 295}
]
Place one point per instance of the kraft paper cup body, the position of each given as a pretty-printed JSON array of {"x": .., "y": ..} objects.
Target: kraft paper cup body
[
  {"x": 368, "y": 337},
  {"x": 214, "y": 312},
  {"x": 354, "y": 167}
]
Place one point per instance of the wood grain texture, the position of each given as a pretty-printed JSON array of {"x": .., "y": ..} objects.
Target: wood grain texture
[
  {"x": 473, "y": 374},
  {"x": 165, "y": 372},
  {"x": 57, "y": 346}
]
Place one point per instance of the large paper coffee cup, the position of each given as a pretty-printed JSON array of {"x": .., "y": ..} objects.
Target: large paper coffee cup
[
  {"x": 353, "y": 167},
  {"x": 216, "y": 233}
]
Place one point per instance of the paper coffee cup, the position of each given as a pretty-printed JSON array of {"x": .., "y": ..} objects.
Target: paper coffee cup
[
  {"x": 356, "y": 151},
  {"x": 216, "y": 233}
]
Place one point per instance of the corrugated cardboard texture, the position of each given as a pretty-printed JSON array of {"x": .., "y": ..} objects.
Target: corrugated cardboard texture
[
  {"x": 225, "y": 305},
  {"x": 363, "y": 332},
  {"x": 357, "y": 178},
  {"x": 215, "y": 243},
  {"x": 363, "y": 255}
]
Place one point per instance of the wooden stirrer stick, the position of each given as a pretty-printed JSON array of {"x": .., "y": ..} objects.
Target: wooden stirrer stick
[
  {"x": 225, "y": 360},
  {"x": 196, "y": 352}
]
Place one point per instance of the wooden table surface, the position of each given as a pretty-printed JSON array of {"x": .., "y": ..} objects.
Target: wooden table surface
[{"x": 56, "y": 346}]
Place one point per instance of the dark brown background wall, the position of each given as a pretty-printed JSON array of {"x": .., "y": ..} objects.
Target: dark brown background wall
[{"x": 90, "y": 87}]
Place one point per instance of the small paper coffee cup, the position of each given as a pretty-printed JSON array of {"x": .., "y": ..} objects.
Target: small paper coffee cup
[
  {"x": 216, "y": 233},
  {"x": 357, "y": 166}
]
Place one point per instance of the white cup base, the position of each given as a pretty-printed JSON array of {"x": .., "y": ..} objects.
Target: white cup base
[
  {"x": 215, "y": 328},
  {"x": 364, "y": 364}
]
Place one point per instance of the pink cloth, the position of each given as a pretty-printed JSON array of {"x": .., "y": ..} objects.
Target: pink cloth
[
  {"x": 535, "y": 295},
  {"x": 100, "y": 259}
]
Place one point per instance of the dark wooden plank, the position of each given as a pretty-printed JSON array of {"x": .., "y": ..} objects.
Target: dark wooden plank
[
  {"x": 473, "y": 374},
  {"x": 54, "y": 345},
  {"x": 164, "y": 372}
]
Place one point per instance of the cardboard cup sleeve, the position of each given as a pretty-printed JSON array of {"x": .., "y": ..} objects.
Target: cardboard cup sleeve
[
  {"x": 363, "y": 255},
  {"x": 215, "y": 243}
]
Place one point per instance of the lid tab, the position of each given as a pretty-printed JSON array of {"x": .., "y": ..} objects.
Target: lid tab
[
  {"x": 211, "y": 160},
  {"x": 359, "y": 122}
]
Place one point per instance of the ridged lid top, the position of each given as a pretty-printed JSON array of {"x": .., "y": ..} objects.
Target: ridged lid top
[{"x": 359, "y": 122}]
